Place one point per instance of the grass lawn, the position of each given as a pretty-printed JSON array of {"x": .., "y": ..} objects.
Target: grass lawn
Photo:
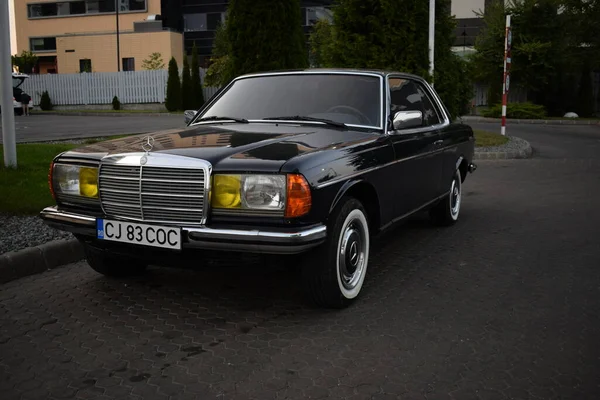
[
  {"x": 488, "y": 139},
  {"x": 25, "y": 190}
]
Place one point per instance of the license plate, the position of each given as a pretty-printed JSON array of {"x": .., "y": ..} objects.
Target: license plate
[{"x": 142, "y": 234}]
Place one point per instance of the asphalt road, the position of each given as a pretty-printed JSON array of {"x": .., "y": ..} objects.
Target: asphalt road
[
  {"x": 504, "y": 305},
  {"x": 37, "y": 128}
]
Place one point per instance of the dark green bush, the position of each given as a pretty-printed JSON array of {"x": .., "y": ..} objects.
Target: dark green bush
[
  {"x": 173, "y": 100},
  {"x": 517, "y": 111},
  {"x": 45, "y": 102},
  {"x": 116, "y": 104}
]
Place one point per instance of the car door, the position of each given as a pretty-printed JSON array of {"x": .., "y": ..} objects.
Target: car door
[{"x": 418, "y": 162}]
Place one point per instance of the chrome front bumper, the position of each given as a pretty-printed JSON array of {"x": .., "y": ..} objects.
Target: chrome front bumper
[{"x": 274, "y": 241}]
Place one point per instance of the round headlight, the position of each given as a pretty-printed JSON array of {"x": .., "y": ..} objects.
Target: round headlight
[
  {"x": 226, "y": 191},
  {"x": 264, "y": 192},
  {"x": 88, "y": 182}
]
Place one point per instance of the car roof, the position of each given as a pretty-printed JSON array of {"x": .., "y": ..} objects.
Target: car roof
[
  {"x": 380, "y": 72},
  {"x": 19, "y": 75}
]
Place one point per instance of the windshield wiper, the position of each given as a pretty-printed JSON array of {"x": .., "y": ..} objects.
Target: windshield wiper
[
  {"x": 218, "y": 118},
  {"x": 305, "y": 118}
]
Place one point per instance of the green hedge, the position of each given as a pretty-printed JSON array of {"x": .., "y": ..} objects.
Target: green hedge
[{"x": 517, "y": 111}]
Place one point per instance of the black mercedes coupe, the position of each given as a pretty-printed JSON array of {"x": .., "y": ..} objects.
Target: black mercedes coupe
[{"x": 310, "y": 164}]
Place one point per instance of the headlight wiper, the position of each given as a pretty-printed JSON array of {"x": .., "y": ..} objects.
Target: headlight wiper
[
  {"x": 305, "y": 118},
  {"x": 219, "y": 118}
]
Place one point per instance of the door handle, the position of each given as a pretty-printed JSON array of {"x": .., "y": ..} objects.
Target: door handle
[{"x": 438, "y": 142}]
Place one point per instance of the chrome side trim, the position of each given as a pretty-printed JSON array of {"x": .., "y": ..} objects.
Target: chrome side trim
[{"x": 366, "y": 171}]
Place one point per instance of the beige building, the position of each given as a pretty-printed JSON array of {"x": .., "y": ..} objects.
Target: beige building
[{"x": 73, "y": 36}]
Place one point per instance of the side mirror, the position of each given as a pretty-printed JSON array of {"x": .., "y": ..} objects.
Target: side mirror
[
  {"x": 188, "y": 115},
  {"x": 407, "y": 119}
]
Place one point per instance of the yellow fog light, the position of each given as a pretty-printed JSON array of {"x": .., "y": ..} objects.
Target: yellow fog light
[
  {"x": 88, "y": 182},
  {"x": 227, "y": 191}
]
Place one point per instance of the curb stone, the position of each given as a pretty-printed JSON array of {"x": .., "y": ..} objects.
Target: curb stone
[
  {"x": 525, "y": 152},
  {"x": 532, "y": 121},
  {"x": 37, "y": 259}
]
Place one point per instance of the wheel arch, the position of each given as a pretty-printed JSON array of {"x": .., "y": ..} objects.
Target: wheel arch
[
  {"x": 463, "y": 166},
  {"x": 364, "y": 192}
]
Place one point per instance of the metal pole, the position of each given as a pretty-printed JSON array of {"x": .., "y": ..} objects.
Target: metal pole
[
  {"x": 117, "y": 6},
  {"x": 506, "y": 79},
  {"x": 431, "y": 37},
  {"x": 8, "y": 114}
]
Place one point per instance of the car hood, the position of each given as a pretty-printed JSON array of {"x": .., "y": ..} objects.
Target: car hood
[{"x": 235, "y": 147}]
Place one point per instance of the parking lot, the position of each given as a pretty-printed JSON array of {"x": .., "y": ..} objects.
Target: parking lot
[{"x": 503, "y": 305}]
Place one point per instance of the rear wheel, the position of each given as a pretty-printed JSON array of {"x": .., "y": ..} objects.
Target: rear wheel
[
  {"x": 110, "y": 265},
  {"x": 446, "y": 212},
  {"x": 334, "y": 274},
  {"x": 18, "y": 111}
]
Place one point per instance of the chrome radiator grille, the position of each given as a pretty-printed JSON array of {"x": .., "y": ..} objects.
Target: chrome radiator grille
[{"x": 153, "y": 193}]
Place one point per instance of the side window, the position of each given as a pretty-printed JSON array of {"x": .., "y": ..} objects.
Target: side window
[
  {"x": 407, "y": 95},
  {"x": 430, "y": 115}
]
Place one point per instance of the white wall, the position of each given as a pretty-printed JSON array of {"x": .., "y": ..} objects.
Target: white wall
[{"x": 465, "y": 8}]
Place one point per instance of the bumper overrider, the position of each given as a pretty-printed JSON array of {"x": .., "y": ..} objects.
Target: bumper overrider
[{"x": 271, "y": 241}]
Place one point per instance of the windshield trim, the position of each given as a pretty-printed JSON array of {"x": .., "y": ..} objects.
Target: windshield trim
[{"x": 223, "y": 90}]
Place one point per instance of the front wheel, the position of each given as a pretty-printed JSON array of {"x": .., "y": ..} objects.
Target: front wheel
[
  {"x": 111, "y": 265},
  {"x": 334, "y": 274},
  {"x": 446, "y": 212}
]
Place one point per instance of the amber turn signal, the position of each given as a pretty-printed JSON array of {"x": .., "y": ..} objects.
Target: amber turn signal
[
  {"x": 299, "y": 198},
  {"x": 50, "y": 171}
]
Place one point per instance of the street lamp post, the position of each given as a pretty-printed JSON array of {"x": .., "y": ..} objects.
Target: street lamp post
[
  {"x": 431, "y": 37},
  {"x": 8, "y": 116},
  {"x": 117, "y": 6}
]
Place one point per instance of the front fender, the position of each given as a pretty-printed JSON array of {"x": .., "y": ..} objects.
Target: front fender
[{"x": 342, "y": 191}]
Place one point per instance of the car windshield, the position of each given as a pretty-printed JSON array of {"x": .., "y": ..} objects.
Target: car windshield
[{"x": 342, "y": 98}]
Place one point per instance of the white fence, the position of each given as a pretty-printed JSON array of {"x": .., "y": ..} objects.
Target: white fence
[{"x": 133, "y": 87}]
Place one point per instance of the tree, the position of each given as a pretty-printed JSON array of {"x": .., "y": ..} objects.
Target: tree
[
  {"x": 393, "y": 35},
  {"x": 153, "y": 62},
  {"x": 198, "y": 95},
  {"x": 187, "y": 91},
  {"x": 173, "y": 100},
  {"x": 220, "y": 71},
  {"x": 265, "y": 35},
  {"x": 552, "y": 40},
  {"x": 25, "y": 62}
]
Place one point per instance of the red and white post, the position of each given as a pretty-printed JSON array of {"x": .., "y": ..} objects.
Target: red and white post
[{"x": 506, "y": 80}]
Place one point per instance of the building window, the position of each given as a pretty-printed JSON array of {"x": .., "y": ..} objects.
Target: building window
[
  {"x": 313, "y": 14},
  {"x": 194, "y": 22},
  {"x": 128, "y": 64},
  {"x": 85, "y": 65},
  {"x": 83, "y": 7},
  {"x": 213, "y": 20},
  {"x": 42, "y": 44},
  {"x": 202, "y": 22}
]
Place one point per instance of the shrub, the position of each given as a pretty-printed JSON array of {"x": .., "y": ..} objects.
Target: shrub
[
  {"x": 196, "y": 81},
  {"x": 517, "y": 110},
  {"x": 173, "y": 100},
  {"x": 187, "y": 91},
  {"x": 45, "y": 102},
  {"x": 116, "y": 104}
]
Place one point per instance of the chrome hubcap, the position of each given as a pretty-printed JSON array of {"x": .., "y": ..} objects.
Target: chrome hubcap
[
  {"x": 352, "y": 254},
  {"x": 455, "y": 197}
]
